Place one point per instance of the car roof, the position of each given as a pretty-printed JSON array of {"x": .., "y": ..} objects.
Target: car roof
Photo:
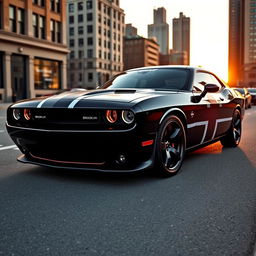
[{"x": 169, "y": 66}]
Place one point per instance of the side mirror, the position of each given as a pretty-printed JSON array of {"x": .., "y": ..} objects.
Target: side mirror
[
  {"x": 211, "y": 88},
  {"x": 208, "y": 88}
]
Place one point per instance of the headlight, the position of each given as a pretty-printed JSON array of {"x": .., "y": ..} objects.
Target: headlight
[
  {"x": 111, "y": 116},
  {"x": 127, "y": 116},
  {"x": 27, "y": 114},
  {"x": 16, "y": 114}
]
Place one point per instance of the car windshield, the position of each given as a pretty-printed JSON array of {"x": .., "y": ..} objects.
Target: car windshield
[
  {"x": 163, "y": 79},
  {"x": 253, "y": 90},
  {"x": 241, "y": 90}
]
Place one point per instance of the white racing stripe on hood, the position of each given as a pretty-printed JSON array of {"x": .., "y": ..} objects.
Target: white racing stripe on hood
[
  {"x": 59, "y": 96},
  {"x": 74, "y": 102}
]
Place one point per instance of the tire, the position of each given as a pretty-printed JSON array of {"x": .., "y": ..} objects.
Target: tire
[
  {"x": 170, "y": 146},
  {"x": 233, "y": 136}
]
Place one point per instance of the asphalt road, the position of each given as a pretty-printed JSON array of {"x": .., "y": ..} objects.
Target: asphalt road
[{"x": 209, "y": 208}]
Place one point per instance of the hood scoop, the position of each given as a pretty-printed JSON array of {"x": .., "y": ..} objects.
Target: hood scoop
[{"x": 124, "y": 91}]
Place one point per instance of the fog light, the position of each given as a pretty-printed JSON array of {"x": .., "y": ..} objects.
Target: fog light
[{"x": 121, "y": 159}]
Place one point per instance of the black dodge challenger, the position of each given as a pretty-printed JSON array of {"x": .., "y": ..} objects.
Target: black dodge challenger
[{"x": 141, "y": 118}]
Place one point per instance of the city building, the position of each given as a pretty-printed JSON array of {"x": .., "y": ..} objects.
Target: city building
[
  {"x": 95, "y": 37},
  {"x": 140, "y": 52},
  {"x": 130, "y": 31},
  {"x": 181, "y": 35},
  {"x": 174, "y": 58},
  {"x": 33, "y": 48},
  {"x": 236, "y": 41},
  {"x": 160, "y": 30},
  {"x": 242, "y": 43}
]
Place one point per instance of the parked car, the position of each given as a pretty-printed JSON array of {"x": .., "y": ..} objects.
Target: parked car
[
  {"x": 247, "y": 96},
  {"x": 141, "y": 118},
  {"x": 252, "y": 91}
]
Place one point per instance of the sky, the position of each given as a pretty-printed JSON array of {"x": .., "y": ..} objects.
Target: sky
[{"x": 209, "y": 27}]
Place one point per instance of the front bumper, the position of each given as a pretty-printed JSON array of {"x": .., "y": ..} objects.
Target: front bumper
[{"x": 84, "y": 150}]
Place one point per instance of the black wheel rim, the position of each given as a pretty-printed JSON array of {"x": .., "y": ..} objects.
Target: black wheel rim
[
  {"x": 237, "y": 127},
  {"x": 172, "y": 146}
]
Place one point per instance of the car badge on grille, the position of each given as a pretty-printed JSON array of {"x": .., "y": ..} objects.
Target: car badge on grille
[
  {"x": 40, "y": 117},
  {"x": 90, "y": 118}
]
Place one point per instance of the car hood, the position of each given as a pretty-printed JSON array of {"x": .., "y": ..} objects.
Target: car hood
[{"x": 97, "y": 98}]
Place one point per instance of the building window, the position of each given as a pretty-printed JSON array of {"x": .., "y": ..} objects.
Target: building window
[
  {"x": 72, "y": 65},
  {"x": 81, "y": 54},
  {"x": 89, "y": 17},
  {"x": 80, "y": 65},
  {"x": 58, "y": 31},
  {"x": 80, "y": 79},
  {"x": 80, "y": 18},
  {"x": 89, "y": 29},
  {"x": 89, "y": 53},
  {"x": 89, "y": 64},
  {"x": 52, "y": 5},
  {"x": 41, "y": 27},
  {"x": 71, "y": 7},
  {"x": 80, "y": 6},
  {"x": 72, "y": 55},
  {"x": 71, "y": 31},
  {"x": 55, "y": 5},
  {"x": 99, "y": 29},
  {"x": 99, "y": 6},
  {"x": 109, "y": 11},
  {"x": 39, "y": 2},
  {"x": 80, "y": 30},
  {"x": 71, "y": 19},
  {"x": 90, "y": 77},
  {"x": 89, "y": 41},
  {"x": 89, "y": 4},
  {"x": 21, "y": 21},
  {"x": 80, "y": 42},
  {"x": 55, "y": 31},
  {"x": 46, "y": 74},
  {"x": 72, "y": 77},
  {"x": 35, "y": 25},
  {"x": 12, "y": 18},
  {"x": 71, "y": 42}
]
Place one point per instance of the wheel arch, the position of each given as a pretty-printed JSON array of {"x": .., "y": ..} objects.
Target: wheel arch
[{"x": 177, "y": 112}]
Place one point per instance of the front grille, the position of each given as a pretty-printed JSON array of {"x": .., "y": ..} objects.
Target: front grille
[{"x": 68, "y": 119}]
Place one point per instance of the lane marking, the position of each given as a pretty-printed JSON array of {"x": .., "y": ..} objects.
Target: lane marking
[
  {"x": 203, "y": 123},
  {"x": 8, "y": 147}
]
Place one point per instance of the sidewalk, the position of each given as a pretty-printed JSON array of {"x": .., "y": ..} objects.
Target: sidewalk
[{"x": 4, "y": 106}]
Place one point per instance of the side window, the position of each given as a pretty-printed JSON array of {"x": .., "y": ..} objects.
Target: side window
[
  {"x": 216, "y": 81},
  {"x": 200, "y": 80}
]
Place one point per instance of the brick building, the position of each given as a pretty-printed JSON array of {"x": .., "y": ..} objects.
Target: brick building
[{"x": 32, "y": 48}]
